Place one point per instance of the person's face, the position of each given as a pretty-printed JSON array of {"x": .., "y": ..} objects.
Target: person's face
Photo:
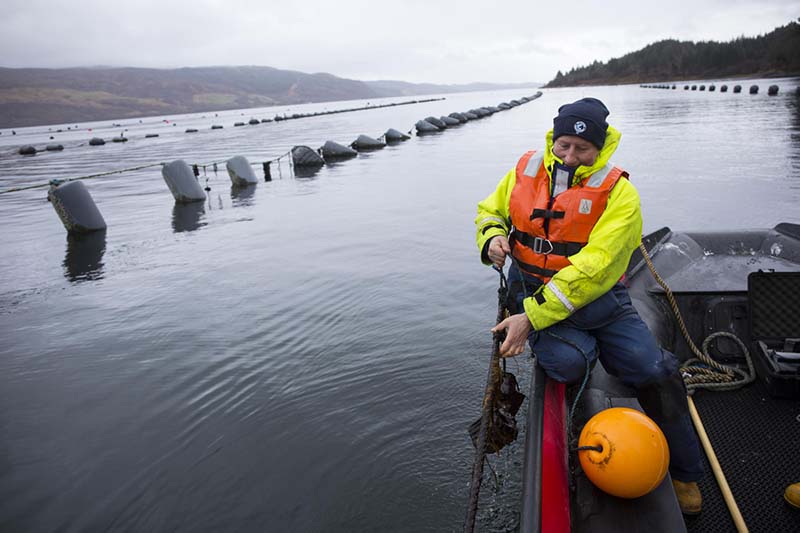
[{"x": 574, "y": 151}]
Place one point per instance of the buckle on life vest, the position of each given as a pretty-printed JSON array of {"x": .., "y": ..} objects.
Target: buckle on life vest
[{"x": 537, "y": 245}]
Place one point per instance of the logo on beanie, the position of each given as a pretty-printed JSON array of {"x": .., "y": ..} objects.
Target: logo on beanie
[{"x": 580, "y": 127}]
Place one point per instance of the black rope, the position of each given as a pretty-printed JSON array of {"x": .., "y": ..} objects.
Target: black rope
[
  {"x": 492, "y": 380},
  {"x": 521, "y": 275},
  {"x": 195, "y": 170},
  {"x": 214, "y": 164},
  {"x": 90, "y": 176},
  {"x": 219, "y": 161},
  {"x": 207, "y": 187}
]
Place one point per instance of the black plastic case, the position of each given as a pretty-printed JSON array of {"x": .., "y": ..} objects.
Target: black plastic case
[{"x": 774, "y": 299}]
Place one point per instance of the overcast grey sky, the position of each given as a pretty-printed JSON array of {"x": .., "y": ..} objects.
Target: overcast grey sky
[{"x": 441, "y": 41}]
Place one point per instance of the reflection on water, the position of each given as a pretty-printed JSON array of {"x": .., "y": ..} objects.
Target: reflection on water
[
  {"x": 187, "y": 217},
  {"x": 332, "y": 163},
  {"x": 84, "y": 257},
  {"x": 306, "y": 171},
  {"x": 345, "y": 312},
  {"x": 793, "y": 103},
  {"x": 242, "y": 196}
]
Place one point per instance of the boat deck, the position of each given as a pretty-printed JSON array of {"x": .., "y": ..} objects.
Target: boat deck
[
  {"x": 756, "y": 438},
  {"x": 754, "y": 429}
]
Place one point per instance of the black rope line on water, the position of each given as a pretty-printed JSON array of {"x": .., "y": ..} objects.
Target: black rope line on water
[
  {"x": 194, "y": 166},
  {"x": 220, "y": 161},
  {"x": 295, "y": 116},
  {"x": 90, "y": 176},
  {"x": 282, "y": 118}
]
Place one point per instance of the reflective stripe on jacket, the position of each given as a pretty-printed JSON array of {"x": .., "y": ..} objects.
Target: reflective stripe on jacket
[{"x": 546, "y": 229}]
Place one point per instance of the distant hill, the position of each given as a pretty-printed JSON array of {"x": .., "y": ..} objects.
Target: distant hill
[
  {"x": 774, "y": 54},
  {"x": 52, "y": 96}
]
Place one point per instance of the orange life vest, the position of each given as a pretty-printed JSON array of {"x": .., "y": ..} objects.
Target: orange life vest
[{"x": 552, "y": 221}]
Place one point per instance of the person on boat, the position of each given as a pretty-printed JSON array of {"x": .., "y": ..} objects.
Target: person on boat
[{"x": 570, "y": 221}]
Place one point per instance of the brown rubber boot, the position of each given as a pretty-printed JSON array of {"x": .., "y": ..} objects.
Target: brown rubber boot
[
  {"x": 792, "y": 495},
  {"x": 689, "y": 498}
]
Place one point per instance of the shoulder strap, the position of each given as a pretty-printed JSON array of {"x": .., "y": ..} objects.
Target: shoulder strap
[{"x": 528, "y": 164}]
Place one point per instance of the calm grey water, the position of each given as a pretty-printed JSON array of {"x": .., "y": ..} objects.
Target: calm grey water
[{"x": 305, "y": 355}]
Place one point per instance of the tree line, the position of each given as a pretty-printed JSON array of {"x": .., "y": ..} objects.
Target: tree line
[{"x": 770, "y": 55}]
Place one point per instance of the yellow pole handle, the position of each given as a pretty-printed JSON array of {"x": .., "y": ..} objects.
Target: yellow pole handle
[{"x": 738, "y": 521}]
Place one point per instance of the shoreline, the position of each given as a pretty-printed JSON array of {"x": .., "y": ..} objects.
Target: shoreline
[{"x": 593, "y": 83}]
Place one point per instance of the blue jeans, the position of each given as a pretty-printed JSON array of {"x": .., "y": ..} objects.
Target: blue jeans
[{"x": 610, "y": 329}]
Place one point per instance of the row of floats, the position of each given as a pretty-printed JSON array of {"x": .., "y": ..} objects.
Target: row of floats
[
  {"x": 772, "y": 90},
  {"x": 79, "y": 214},
  {"x": 306, "y": 157},
  {"x": 121, "y": 138}
]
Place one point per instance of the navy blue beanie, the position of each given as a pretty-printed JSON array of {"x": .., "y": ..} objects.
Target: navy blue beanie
[{"x": 585, "y": 118}]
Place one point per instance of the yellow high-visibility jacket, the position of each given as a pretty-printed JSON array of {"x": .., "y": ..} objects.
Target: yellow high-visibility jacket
[{"x": 598, "y": 265}]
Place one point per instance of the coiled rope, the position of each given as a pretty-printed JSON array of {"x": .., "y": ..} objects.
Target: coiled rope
[{"x": 702, "y": 371}]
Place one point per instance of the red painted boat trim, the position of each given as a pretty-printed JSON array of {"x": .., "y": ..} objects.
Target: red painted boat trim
[{"x": 555, "y": 489}]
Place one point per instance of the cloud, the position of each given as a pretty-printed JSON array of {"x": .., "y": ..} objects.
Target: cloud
[{"x": 436, "y": 41}]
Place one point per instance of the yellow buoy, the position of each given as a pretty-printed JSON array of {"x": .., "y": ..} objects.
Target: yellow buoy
[{"x": 631, "y": 455}]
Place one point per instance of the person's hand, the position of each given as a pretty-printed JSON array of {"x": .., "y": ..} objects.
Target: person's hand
[
  {"x": 517, "y": 328},
  {"x": 498, "y": 249}
]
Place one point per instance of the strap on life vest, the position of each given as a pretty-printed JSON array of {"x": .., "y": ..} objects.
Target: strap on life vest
[
  {"x": 533, "y": 269},
  {"x": 546, "y": 246},
  {"x": 547, "y": 213},
  {"x": 527, "y": 267}
]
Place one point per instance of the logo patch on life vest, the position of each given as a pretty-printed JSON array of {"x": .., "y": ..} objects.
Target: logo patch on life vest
[
  {"x": 580, "y": 127},
  {"x": 586, "y": 206}
]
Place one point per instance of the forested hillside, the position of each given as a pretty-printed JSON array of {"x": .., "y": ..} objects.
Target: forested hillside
[{"x": 774, "y": 54}]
